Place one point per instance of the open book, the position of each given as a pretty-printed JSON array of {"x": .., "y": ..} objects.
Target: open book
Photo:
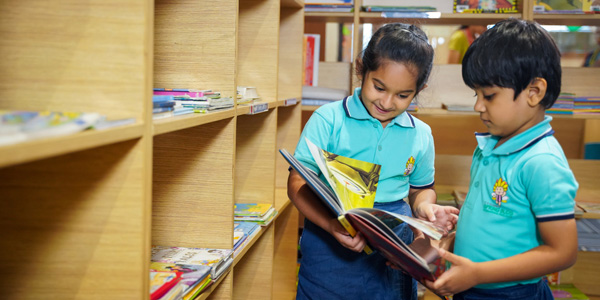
[{"x": 351, "y": 197}]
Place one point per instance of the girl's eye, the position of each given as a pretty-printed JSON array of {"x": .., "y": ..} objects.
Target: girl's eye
[
  {"x": 379, "y": 88},
  {"x": 403, "y": 96}
]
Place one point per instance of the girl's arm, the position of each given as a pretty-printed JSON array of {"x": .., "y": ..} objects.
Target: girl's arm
[
  {"x": 307, "y": 203},
  {"x": 422, "y": 202},
  {"x": 558, "y": 252}
]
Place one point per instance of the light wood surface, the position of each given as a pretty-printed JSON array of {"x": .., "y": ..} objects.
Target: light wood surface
[
  {"x": 291, "y": 30},
  {"x": 195, "y": 45},
  {"x": 257, "y": 57}
]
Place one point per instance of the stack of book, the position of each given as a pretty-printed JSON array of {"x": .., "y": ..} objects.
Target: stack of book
[
  {"x": 20, "y": 126},
  {"x": 484, "y": 6},
  {"x": 566, "y": 7},
  {"x": 407, "y": 6},
  {"x": 569, "y": 104},
  {"x": 563, "y": 105},
  {"x": 328, "y": 6},
  {"x": 190, "y": 100},
  {"x": 219, "y": 260},
  {"x": 162, "y": 106},
  {"x": 259, "y": 213},
  {"x": 586, "y": 105},
  {"x": 193, "y": 280}
]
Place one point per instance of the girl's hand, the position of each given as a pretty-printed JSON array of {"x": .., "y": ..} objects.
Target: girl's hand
[
  {"x": 356, "y": 243},
  {"x": 444, "y": 216},
  {"x": 461, "y": 276}
]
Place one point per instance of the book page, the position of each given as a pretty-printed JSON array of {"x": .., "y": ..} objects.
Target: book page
[{"x": 353, "y": 181}]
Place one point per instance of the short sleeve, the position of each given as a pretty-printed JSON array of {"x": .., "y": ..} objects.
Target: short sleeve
[
  {"x": 423, "y": 175},
  {"x": 317, "y": 130},
  {"x": 550, "y": 187}
]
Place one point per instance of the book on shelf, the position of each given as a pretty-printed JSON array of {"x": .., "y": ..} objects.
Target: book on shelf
[
  {"x": 218, "y": 259},
  {"x": 191, "y": 276},
  {"x": 20, "y": 126},
  {"x": 435, "y": 5},
  {"x": 567, "y": 291},
  {"x": 162, "y": 282},
  {"x": 260, "y": 213},
  {"x": 558, "y": 6},
  {"x": 485, "y": 6},
  {"x": 312, "y": 44},
  {"x": 247, "y": 231},
  {"x": 349, "y": 195}
]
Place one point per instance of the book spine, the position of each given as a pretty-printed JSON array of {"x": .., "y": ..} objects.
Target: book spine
[{"x": 342, "y": 219}]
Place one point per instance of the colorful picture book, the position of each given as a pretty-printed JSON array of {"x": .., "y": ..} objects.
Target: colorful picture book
[
  {"x": 243, "y": 233},
  {"x": 218, "y": 259},
  {"x": 260, "y": 213},
  {"x": 191, "y": 276},
  {"x": 162, "y": 282},
  {"x": 485, "y": 6},
  {"x": 21, "y": 126},
  {"x": 350, "y": 194}
]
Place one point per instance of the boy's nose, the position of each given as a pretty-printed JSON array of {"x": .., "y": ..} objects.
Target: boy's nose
[{"x": 479, "y": 107}]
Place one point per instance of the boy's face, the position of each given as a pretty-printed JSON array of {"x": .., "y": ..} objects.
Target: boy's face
[
  {"x": 388, "y": 91},
  {"x": 505, "y": 116}
]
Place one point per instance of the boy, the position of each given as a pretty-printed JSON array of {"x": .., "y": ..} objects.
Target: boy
[{"x": 517, "y": 223}]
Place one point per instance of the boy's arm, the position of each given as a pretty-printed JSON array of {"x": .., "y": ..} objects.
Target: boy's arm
[
  {"x": 307, "y": 203},
  {"x": 558, "y": 252}
]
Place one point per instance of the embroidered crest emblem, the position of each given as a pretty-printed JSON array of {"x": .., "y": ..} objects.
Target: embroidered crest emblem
[
  {"x": 410, "y": 164},
  {"x": 500, "y": 191}
]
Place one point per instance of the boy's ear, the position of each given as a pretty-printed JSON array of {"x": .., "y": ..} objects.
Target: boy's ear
[{"x": 536, "y": 91}]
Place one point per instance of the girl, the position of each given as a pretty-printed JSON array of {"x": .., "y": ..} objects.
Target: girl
[{"x": 371, "y": 125}]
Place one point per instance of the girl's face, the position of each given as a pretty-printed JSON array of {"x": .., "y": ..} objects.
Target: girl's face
[{"x": 388, "y": 91}]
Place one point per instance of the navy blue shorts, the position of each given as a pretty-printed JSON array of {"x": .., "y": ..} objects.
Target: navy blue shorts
[
  {"x": 533, "y": 291},
  {"x": 330, "y": 271}
]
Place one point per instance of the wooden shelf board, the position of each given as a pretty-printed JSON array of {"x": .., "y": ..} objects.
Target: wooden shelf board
[
  {"x": 567, "y": 19},
  {"x": 445, "y": 18},
  {"x": 45, "y": 148},
  {"x": 340, "y": 17},
  {"x": 190, "y": 120}
]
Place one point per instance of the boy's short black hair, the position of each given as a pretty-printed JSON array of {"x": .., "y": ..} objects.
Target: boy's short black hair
[{"x": 511, "y": 55}]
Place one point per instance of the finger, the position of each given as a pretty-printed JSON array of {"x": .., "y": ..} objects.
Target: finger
[{"x": 451, "y": 257}]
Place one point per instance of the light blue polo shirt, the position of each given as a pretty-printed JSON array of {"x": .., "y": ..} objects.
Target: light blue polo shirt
[
  {"x": 524, "y": 181},
  {"x": 346, "y": 128}
]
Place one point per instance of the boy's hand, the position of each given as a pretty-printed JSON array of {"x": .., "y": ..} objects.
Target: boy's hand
[
  {"x": 356, "y": 243},
  {"x": 461, "y": 276},
  {"x": 444, "y": 216}
]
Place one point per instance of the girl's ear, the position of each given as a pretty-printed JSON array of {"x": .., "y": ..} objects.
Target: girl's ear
[
  {"x": 358, "y": 63},
  {"x": 536, "y": 91}
]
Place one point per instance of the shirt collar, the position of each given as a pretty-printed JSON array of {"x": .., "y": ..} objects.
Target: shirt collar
[
  {"x": 523, "y": 140},
  {"x": 355, "y": 109}
]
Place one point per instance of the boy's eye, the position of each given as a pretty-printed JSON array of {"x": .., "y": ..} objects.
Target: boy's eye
[{"x": 488, "y": 97}]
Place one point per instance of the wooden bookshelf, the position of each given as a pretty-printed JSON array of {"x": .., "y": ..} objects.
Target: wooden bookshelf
[{"x": 81, "y": 212}]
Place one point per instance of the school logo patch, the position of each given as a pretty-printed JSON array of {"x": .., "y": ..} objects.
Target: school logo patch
[
  {"x": 500, "y": 191},
  {"x": 410, "y": 165}
]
